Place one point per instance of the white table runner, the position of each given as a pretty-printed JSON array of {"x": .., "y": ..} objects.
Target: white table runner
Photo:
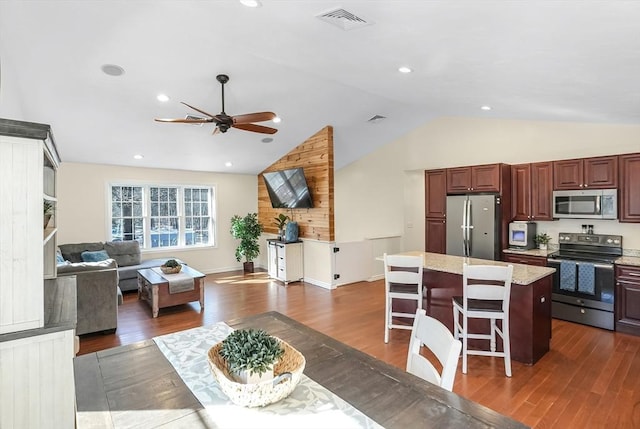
[
  {"x": 310, "y": 405},
  {"x": 178, "y": 282}
]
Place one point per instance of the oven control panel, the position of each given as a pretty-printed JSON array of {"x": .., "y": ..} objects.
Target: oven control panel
[{"x": 590, "y": 239}]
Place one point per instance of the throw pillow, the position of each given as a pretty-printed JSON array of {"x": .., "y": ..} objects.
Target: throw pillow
[
  {"x": 59, "y": 257},
  {"x": 97, "y": 256}
]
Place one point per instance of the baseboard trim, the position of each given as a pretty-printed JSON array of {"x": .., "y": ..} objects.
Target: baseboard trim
[{"x": 319, "y": 283}]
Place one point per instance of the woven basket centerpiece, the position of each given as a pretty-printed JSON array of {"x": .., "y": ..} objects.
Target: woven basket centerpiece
[
  {"x": 287, "y": 373},
  {"x": 173, "y": 268}
]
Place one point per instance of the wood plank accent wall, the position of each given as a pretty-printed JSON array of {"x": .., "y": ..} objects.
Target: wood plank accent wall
[{"x": 315, "y": 155}]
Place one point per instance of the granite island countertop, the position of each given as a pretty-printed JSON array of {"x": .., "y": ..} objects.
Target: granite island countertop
[{"x": 522, "y": 274}]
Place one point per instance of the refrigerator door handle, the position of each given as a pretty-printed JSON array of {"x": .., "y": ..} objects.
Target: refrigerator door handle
[
  {"x": 469, "y": 227},
  {"x": 464, "y": 227}
]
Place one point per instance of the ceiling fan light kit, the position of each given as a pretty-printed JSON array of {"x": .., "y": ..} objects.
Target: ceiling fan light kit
[{"x": 224, "y": 122}]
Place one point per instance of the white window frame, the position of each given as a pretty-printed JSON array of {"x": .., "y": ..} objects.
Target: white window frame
[{"x": 146, "y": 214}]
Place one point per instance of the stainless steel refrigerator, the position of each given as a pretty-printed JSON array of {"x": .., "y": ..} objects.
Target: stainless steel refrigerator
[{"x": 473, "y": 226}]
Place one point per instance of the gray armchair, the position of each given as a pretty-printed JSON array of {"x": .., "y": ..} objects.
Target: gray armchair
[{"x": 97, "y": 295}]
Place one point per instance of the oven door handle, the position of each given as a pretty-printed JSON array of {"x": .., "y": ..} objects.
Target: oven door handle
[{"x": 595, "y": 264}]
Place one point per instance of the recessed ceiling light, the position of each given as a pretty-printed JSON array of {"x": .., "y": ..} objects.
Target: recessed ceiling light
[
  {"x": 277, "y": 120},
  {"x": 163, "y": 97},
  {"x": 138, "y": 156},
  {"x": 404, "y": 70},
  {"x": 267, "y": 140},
  {"x": 228, "y": 164},
  {"x": 486, "y": 107},
  {"x": 112, "y": 70},
  {"x": 251, "y": 3}
]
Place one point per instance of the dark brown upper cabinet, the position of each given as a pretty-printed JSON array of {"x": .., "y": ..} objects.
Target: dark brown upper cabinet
[{"x": 587, "y": 173}]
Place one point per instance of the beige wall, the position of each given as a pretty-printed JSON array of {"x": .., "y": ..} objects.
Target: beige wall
[
  {"x": 82, "y": 207},
  {"x": 383, "y": 193}
]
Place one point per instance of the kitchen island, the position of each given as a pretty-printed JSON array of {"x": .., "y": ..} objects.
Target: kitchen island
[{"x": 530, "y": 305}]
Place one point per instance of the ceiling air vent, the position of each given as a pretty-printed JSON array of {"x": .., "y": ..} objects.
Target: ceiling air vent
[
  {"x": 195, "y": 117},
  {"x": 343, "y": 19},
  {"x": 376, "y": 119}
]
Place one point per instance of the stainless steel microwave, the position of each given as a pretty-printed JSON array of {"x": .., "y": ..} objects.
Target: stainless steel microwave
[{"x": 586, "y": 204}]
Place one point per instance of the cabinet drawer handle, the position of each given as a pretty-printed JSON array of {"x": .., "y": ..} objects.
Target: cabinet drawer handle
[{"x": 634, "y": 274}]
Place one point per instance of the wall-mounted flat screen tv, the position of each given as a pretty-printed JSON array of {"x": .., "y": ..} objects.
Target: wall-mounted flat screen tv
[{"x": 288, "y": 189}]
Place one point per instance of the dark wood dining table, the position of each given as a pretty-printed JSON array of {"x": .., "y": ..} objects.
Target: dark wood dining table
[{"x": 136, "y": 386}]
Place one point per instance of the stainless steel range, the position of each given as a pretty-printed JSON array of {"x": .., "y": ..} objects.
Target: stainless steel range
[{"x": 583, "y": 283}]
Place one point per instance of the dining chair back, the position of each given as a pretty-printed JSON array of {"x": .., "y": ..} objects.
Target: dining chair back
[
  {"x": 403, "y": 281},
  {"x": 435, "y": 336}
]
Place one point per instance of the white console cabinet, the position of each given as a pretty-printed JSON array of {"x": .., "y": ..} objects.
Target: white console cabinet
[
  {"x": 37, "y": 310},
  {"x": 285, "y": 261}
]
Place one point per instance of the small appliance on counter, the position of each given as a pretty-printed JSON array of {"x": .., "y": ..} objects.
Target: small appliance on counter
[{"x": 521, "y": 235}]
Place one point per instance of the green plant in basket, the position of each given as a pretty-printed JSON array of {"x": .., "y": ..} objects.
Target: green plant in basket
[
  {"x": 251, "y": 350},
  {"x": 171, "y": 263}
]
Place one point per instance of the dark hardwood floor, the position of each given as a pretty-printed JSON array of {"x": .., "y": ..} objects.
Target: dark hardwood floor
[{"x": 589, "y": 379}]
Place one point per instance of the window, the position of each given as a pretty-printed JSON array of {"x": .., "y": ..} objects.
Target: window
[{"x": 162, "y": 216}]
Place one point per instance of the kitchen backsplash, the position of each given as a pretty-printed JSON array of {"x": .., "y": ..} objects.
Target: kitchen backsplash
[{"x": 630, "y": 232}]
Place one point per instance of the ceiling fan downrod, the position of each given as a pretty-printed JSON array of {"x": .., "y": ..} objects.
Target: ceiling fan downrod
[{"x": 222, "y": 78}]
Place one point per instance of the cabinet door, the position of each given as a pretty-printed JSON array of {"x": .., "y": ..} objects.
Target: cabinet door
[
  {"x": 567, "y": 174},
  {"x": 458, "y": 180},
  {"x": 629, "y": 188},
  {"x": 542, "y": 191},
  {"x": 435, "y": 235},
  {"x": 435, "y": 184},
  {"x": 521, "y": 192},
  {"x": 628, "y": 307},
  {"x": 601, "y": 172},
  {"x": 485, "y": 178},
  {"x": 21, "y": 232}
]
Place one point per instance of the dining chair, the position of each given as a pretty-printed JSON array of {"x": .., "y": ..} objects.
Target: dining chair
[
  {"x": 486, "y": 290},
  {"x": 403, "y": 281},
  {"x": 432, "y": 334}
]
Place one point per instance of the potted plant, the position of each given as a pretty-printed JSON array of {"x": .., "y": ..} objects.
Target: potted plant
[
  {"x": 246, "y": 229},
  {"x": 280, "y": 222},
  {"x": 48, "y": 211},
  {"x": 542, "y": 240},
  {"x": 171, "y": 267},
  {"x": 250, "y": 355}
]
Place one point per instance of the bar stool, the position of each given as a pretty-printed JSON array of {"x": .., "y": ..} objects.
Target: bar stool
[
  {"x": 486, "y": 293},
  {"x": 402, "y": 280}
]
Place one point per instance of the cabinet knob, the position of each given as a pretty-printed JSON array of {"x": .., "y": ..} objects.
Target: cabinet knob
[
  {"x": 581, "y": 185},
  {"x": 444, "y": 221},
  {"x": 582, "y": 311},
  {"x": 586, "y": 186}
]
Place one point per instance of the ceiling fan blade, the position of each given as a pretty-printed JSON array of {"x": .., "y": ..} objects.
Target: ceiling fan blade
[
  {"x": 198, "y": 110},
  {"x": 253, "y": 117},
  {"x": 255, "y": 128},
  {"x": 185, "y": 121}
]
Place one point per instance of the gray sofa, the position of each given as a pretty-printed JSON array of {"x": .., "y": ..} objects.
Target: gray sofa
[
  {"x": 97, "y": 295},
  {"x": 125, "y": 253}
]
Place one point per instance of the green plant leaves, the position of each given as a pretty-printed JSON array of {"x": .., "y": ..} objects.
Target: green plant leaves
[
  {"x": 250, "y": 349},
  {"x": 246, "y": 229}
]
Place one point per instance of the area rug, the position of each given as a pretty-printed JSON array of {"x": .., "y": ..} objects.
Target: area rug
[{"x": 309, "y": 406}]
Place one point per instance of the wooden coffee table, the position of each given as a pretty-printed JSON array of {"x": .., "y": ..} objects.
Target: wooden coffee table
[{"x": 154, "y": 289}]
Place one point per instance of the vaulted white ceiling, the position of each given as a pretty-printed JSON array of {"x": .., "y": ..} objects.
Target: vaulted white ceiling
[{"x": 541, "y": 60}]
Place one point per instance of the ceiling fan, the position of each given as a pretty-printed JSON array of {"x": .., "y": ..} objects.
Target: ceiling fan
[{"x": 224, "y": 122}]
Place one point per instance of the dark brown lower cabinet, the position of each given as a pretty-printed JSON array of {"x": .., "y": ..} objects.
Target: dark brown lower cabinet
[
  {"x": 435, "y": 235},
  {"x": 627, "y": 299}
]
